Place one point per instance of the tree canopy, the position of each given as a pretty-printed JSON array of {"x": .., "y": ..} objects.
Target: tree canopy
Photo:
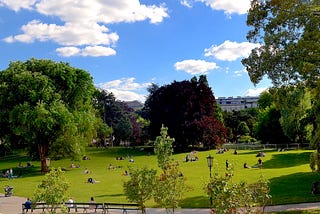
[
  {"x": 187, "y": 108},
  {"x": 47, "y": 107},
  {"x": 289, "y": 34},
  {"x": 126, "y": 124}
]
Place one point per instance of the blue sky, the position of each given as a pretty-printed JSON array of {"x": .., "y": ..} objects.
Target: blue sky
[{"x": 128, "y": 44}]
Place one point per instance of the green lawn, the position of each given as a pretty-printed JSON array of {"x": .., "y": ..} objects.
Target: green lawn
[{"x": 288, "y": 172}]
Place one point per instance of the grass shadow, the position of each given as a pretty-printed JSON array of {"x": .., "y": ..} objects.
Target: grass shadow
[
  {"x": 23, "y": 172},
  {"x": 110, "y": 195},
  {"x": 123, "y": 152},
  {"x": 296, "y": 187},
  {"x": 197, "y": 202},
  {"x": 254, "y": 152},
  {"x": 285, "y": 160}
]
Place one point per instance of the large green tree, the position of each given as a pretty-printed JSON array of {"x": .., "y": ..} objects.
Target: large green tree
[
  {"x": 289, "y": 34},
  {"x": 187, "y": 108},
  {"x": 47, "y": 106}
]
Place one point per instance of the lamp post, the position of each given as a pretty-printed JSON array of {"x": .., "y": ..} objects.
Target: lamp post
[{"x": 210, "y": 161}]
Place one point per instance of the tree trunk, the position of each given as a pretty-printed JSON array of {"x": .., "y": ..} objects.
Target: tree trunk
[{"x": 43, "y": 152}]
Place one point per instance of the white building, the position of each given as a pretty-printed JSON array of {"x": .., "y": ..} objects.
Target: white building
[{"x": 237, "y": 103}]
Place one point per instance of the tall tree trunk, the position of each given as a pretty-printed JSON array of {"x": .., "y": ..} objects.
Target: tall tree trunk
[{"x": 43, "y": 152}]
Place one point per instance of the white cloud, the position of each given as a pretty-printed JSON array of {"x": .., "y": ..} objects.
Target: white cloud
[
  {"x": 98, "y": 51},
  {"x": 186, "y": 3},
  {"x": 83, "y": 22},
  {"x": 68, "y": 51},
  {"x": 254, "y": 92},
  {"x": 94, "y": 51},
  {"x": 16, "y": 5},
  {"x": 239, "y": 73},
  {"x": 126, "y": 89},
  {"x": 230, "y": 51},
  {"x": 228, "y": 6},
  {"x": 195, "y": 67},
  {"x": 107, "y": 11},
  {"x": 127, "y": 95}
]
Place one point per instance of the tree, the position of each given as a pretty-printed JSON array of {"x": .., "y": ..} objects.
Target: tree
[
  {"x": 169, "y": 188},
  {"x": 124, "y": 121},
  {"x": 233, "y": 119},
  {"x": 294, "y": 103},
  {"x": 243, "y": 128},
  {"x": 182, "y": 106},
  {"x": 265, "y": 100},
  {"x": 288, "y": 32},
  {"x": 53, "y": 190},
  {"x": 163, "y": 148},
  {"x": 47, "y": 106},
  {"x": 139, "y": 188},
  {"x": 229, "y": 197},
  {"x": 268, "y": 128}
]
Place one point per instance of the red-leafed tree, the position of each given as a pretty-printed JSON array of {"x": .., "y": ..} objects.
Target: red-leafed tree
[{"x": 187, "y": 108}]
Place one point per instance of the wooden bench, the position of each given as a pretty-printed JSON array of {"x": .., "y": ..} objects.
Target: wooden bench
[
  {"x": 37, "y": 206},
  {"x": 84, "y": 207},
  {"x": 121, "y": 206}
]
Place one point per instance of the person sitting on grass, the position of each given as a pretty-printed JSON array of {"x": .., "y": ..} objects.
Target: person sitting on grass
[
  {"x": 245, "y": 166},
  {"x": 91, "y": 181},
  {"x": 86, "y": 171}
]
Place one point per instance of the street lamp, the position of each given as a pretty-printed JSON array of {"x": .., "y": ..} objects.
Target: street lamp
[{"x": 210, "y": 161}]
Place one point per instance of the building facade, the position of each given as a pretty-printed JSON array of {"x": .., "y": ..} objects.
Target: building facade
[{"x": 237, "y": 103}]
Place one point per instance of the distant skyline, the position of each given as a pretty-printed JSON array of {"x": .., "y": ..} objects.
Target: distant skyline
[{"x": 128, "y": 44}]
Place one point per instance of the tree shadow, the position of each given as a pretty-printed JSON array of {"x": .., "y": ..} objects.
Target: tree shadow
[
  {"x": 110, "y": 195},
  {"x": 293, "y": 188},
  {"x": 124, "y": 152},
  {"x": 255, "y": 152},
  {"x": 285, "y": 160},
  {"x": 22, "y": 172}
]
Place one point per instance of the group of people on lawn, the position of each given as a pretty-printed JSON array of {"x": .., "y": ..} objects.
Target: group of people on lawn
[{"x": 245, "y": 165}]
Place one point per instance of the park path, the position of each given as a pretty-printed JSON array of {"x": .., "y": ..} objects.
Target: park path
[{"x": 12, "y": 205}]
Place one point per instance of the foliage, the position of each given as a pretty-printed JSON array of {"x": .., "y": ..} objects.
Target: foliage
[
  {"x": 246, "y": 139},
  {"x": 170, "y": 187},
  {"x": 185, "y": 108},
  {"x": 243, "y": 128},
  {"x": 139, "y": 188},
  {"x": 233, "y": 119},
  {"x": 261, "y": 192},
  {"x": 46, "y": 106},
  {"x": 288, "y": 32},
  {"x": 268, "y": 128},
  {"x": 124, "y": 121},
  {"x": 163, "y": 148},
  {"x": 53, "y": 189},
  {"x": 265, "y": 100},
  {"x": 314, "y": 117},
  {"x": 315, "y": 162},
  {"x": 294, "y": 103},
  {"x": 229, "y": 197}
]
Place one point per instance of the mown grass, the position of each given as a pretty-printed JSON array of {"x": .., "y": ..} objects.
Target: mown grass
[{"x": 288, "y": 172}]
